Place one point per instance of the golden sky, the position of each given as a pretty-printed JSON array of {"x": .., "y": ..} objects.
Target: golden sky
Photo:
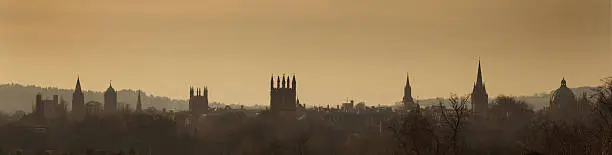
[{"x": 338, "y": 49}]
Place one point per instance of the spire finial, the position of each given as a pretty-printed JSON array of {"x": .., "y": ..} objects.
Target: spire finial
[{"x": 110, "y": 83}]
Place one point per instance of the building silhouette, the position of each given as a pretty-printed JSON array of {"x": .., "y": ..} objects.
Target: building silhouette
[
  {"x": 78, "y": 102},
  {"x": 93, "y": 108},
  {"x": 110, "y": 100},
  {"x": 198, "y": 102},
  {"x": 49, "y": 108},
  {"x": 408, "y": 101},
  {"x": 283, "y": 97},
  {"x": 139, "y": 103},
  {"x": 480, "y": 98},
  {"x": 563, "y": 103}
]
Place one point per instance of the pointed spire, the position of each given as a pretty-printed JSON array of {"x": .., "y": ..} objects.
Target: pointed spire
[
  {"x": 407, "y": 80},
  {"x": 283, "y": 84},
  {"x": 479, "y": 76},
  {"x": 78, "y": 85},
  {"x": 293, "y": 82},
  {"x": 288, "y": 82},
  {"x": 278, "y": 81}
]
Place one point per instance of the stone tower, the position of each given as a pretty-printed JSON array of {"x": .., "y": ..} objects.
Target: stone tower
[{"x": 283, "y": 97}]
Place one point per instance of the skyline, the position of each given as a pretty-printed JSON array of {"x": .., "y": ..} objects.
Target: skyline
[
  {"x": 275, "y": 84},
  {"x": 337, "y": 49}
]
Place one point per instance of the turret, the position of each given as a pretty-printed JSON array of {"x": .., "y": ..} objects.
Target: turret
[
  {"x": 278, "y": 81},
  {"x": 293, "y": 83},
  {"x": 288, "y": 82},
  {"x": 271, "y": 82},
  {"x": 283, "y": 84},
  {"x": 190, "y": 91},
  {"x": 206, "y": 91}
]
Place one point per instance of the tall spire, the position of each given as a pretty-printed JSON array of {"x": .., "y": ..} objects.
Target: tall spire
[
  {"x": 479, "y": 96},
  {"x": 479, "y": 77},
  {"x": 408, "y": 92},
  {"x": 407, "y": 80},
  {"x": 78, "y": 85}
]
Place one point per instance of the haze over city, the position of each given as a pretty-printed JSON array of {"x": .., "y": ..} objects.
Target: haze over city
[{"x": 338, "y": 49}]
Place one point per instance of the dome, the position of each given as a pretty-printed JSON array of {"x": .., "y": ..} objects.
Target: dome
[{"x": 563, "y": 96}]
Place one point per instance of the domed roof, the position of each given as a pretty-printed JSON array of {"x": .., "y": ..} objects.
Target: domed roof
[{"x": 563, "y": 96}]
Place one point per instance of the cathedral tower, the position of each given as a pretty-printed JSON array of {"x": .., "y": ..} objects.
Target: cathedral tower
[
  {"x": 283, "y": 97},
  {"x": 198, "y": 102},
  {"x": 480, "y": 98},
  {"x": 78, "y": 102}
]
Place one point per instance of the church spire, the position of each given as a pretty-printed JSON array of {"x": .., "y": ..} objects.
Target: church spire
[
  {"x": 479, "y": 77},
  {"x": 78, "y": 85},
  {"x": 407, "y": 80},
  {"x": 408, "y": 92}
]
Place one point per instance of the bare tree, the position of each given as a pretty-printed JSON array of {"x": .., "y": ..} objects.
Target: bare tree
[{"x": 454, "y": 119}]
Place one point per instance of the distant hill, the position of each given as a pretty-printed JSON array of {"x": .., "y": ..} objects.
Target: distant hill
[{"x": 15, "y": 97}]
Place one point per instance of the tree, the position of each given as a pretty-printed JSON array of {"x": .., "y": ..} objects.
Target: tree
[{"x": 455, "y": 120}]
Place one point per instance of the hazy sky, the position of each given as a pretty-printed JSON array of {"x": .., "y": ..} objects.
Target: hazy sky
[{"x": 360, "y": 49}]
